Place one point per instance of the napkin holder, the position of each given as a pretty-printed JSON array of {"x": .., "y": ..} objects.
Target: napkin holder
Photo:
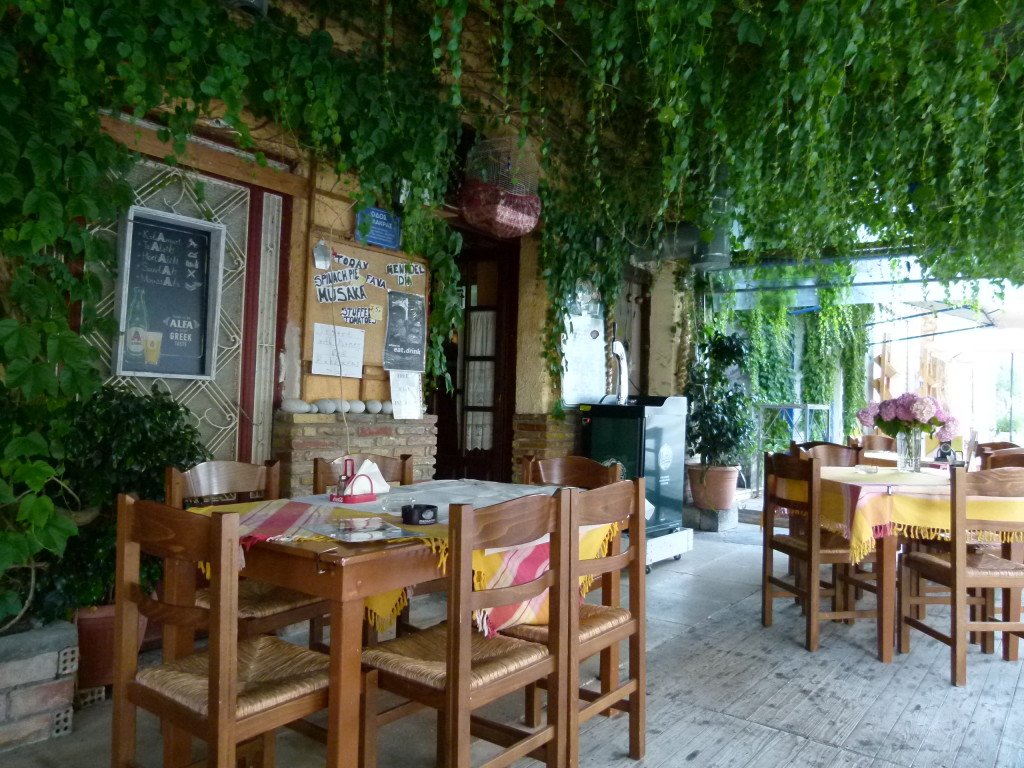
[{"x": 352, "y": 497}]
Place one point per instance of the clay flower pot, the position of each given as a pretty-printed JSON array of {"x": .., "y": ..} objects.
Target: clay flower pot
[{"x": 712, "y": 487}]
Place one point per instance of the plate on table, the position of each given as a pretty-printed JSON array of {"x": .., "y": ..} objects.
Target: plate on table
[{"x": 360, "y": 529}]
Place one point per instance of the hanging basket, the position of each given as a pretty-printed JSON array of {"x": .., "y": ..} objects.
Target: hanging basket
[{"x": 499, "y": 195}]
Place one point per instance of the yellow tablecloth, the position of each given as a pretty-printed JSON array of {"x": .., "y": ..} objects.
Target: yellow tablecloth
[{"x": 865, "y": 506}]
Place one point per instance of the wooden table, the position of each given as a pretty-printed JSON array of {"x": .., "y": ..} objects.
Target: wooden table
[
  {"x": 346, "y": 574},
  {"x": 871, "y": 510}
]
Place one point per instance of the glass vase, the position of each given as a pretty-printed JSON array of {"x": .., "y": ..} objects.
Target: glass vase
[{"x": 908, "y": 450}]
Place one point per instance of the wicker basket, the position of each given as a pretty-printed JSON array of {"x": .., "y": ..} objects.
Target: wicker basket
[{"x": 499, "y": 195}]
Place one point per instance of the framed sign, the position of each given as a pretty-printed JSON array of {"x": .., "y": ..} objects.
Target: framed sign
[
  {"x": 406, "y": 339},
  {"x": 168, "y": 294},
  {"x": 375, "y": 226}
]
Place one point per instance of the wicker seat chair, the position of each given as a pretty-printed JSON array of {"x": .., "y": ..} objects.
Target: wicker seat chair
[
  {"x": 237, "y": 691},
  {"x": 570, "y": 471},
  {"x": 262, "y": 607},
  {"x": 454, "y": 669},
  {"x": 326, "y": 473}
]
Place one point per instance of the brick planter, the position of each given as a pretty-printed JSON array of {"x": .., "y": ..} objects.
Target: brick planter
[
  {"x": 299, "y": 438},
  {"x": 37, "y": 684}
]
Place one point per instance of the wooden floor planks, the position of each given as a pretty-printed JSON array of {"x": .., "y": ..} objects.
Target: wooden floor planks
[{"x": 725, "y": 692}]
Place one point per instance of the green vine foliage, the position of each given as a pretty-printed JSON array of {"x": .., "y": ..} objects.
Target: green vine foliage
[
  {"x": 819, "y": 122},
  {"x": 854, "y": 365},
  {"x": 769, "y": 363}
]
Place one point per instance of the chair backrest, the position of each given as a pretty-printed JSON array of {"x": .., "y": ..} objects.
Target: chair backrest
[
  {"x": 792, "y": 484},
  {"x": 326, "y": 473},
  {"x": 829, "y": 454},
  {"x": 993, "y": 458},
  {"x": 222, "y": 482},
  {"x": 181, "y": 540},
  {"x": 512, "y": 523},
  {"x": 620, "y": 503},
  {"x": 878, "y": 443},
  {"x": 574, "y": 471},
  {"x": 964, "y": 516}
]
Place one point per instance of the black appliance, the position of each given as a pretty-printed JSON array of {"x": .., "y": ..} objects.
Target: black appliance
[{"x": 647, "y": 435}]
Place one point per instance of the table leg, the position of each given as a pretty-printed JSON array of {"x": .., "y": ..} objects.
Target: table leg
[
  {"x": 885, "y": 554},
  {"x": 1011, "y": 603},
  {"x": 343, "y": 708}
]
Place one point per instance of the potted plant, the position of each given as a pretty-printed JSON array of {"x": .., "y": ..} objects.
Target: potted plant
[
  {"x": 120, "y": 440},
  {"x": 719, "y": 428}
]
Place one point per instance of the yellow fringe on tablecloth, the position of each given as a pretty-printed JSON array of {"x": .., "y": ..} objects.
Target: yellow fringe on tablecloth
[{"x": 382, "y": 619}]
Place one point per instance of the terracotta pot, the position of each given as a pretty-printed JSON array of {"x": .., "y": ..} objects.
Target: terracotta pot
[
  {"x": 96, "y": 645},
  {"x": 712, "y": 487}
]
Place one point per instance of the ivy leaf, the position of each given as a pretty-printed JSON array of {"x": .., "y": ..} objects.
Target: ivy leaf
[
  {"x": 35, "y": 510},
  {"x": 9, "y": 149},
  {"x": 44, "y": 159},
  {"x": 44, "y": 204},
  {"x": 14, "y": 550},
  {"x": 10, "y": 187},
  {"x": 32, "y": 378},
  {"x": 80, "y": 167},
  {"x": 24, "y": 446},
  {"x": 34, "y": 474},
  {"x": 55, "y": 534},
  {"x": 21, "y": 342}
]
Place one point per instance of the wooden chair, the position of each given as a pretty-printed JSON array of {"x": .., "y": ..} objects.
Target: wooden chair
[
  {"x": 961, "y": 571},
  {"x": 600, "y": 628},
  {"x": 1003, "y": 457},
  {"x": 828, "y": 454},
  {"x": 982, "y": 450},
  {"x": 793, "y": 484},
  {"x": 326, "y": 473},
  {"x": 234, "y": 692},
  {"x": 570, "y": 471},
  {"x": 262, "y": 608},
  {"x": 455, "y": 669},
  {"x": 877, "y": 443}
]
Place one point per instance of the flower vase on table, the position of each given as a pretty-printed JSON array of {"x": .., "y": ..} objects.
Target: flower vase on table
[
  {"x": 907, "y": 418},
  {"x": 908, "y": 450}
]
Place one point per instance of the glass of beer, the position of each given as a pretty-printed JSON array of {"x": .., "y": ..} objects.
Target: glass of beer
[{"x": 151, "y": 351}]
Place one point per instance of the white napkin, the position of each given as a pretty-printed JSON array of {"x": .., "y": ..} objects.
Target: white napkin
[{"x": 368, "y": 469}]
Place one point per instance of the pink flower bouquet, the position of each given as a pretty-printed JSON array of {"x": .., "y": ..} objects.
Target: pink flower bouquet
[{"x": 908, "y": 412}]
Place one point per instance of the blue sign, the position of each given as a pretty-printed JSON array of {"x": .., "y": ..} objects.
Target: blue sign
[{"x": 384, "y": 229}]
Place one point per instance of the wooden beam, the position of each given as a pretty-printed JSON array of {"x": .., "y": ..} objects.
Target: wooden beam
[{"x": 142, "y": 139}]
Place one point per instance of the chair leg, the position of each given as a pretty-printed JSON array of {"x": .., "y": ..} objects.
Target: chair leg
[
  {"x": 909, "y": 586},
  {"x": 637, "y": 700},
  {"x": 1011, "y": 613},
  {"x": 813, "y": 605},
  {"x": 268, "y": 750},
  {"x": 368, "y": 721},
  {"x": 531, "y": 705},
  {"x": 610, "y": 674},
  {"x": 316, "y": 633},
  {"x": 766, "y": 583},
  {"x": 958, "y": 636},
  {"x": 988, "y": 639},
  {"x": 123, "y": 732}
]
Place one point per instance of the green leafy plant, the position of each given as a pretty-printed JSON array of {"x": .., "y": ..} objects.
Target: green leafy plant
[
  {"x": 720, "y": 428},
  {"x": 119, "y": 441}
]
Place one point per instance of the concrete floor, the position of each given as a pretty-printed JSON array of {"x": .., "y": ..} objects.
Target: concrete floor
[{"x": 722, "y": 691}]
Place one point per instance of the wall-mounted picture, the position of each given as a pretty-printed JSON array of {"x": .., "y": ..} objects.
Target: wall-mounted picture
[
  {"x": 405, "y": 343},
  {"x": 168, "y": 293}
]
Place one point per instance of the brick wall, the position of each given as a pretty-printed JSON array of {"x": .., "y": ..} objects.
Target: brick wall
[
  {"x": 298, "y": 438},
  {"x": 37, "y": 684},
  {"x": 543, "y": 436}
]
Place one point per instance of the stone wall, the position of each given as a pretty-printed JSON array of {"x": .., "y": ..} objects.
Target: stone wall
[
  {"x": 543, "y": 436},
  {"x": 37, "y": 684},
  {"x": 298, "y": 438}
]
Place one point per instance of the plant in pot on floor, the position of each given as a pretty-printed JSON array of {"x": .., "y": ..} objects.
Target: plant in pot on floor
[
  {"x": 120, "y": 441},
  {"x": 720, "y": 427}
]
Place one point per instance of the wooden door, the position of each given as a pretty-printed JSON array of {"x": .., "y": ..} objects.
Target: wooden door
[{"x": 474, "y": 425}]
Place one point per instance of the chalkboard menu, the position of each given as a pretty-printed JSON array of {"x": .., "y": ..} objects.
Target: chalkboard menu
[{"x": 169, "y": 295}]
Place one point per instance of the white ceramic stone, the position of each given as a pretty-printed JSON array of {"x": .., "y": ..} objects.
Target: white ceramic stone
[
  {"x": 291, "y": 405},
  {"x": 346, "y": 406},
  {"x": 356, "y": 406},
  {"x": 340, "y": 405},
  {"x": 313, "y": 409},
  {"x": 325, "y": 406},
  {"x": 387, "y": 407},
  {"x": 374, "y": 406}
]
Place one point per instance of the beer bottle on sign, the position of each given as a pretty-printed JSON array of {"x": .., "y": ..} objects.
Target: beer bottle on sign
[{"x": 137, "y": 325}]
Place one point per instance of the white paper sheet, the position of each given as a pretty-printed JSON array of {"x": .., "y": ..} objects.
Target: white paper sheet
[
  {"x": 337, "y": 350},
  {"x": 406, "y": 394}
]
